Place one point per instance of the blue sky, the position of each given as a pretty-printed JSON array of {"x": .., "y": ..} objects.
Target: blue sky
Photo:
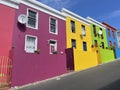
[{"x": 100, "y": 10}]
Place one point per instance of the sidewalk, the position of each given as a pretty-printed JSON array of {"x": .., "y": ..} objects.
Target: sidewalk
[{"x": 102, "y": 77}]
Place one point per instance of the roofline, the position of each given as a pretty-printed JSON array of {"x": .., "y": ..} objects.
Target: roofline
[
  {"x": 108, "y": 26},
  {"x": 44, "y": 8},
  {"x": 75, "y": 16},
  {"x": 118, "y": 30},
  {"x": 34, "y": 4},
  {"x": 95, "y": 22},
  {"x": 10, "y": 3}
]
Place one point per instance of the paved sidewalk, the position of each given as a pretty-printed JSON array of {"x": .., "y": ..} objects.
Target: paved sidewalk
[{"x": 102, "y": 77}]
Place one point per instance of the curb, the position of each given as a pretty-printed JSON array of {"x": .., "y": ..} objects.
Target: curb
[
  {"x": 42, "y": 81},
  {"x": 56, "y": 77}
]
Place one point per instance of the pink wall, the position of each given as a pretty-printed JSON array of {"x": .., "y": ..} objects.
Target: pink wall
[
  {"x": 7, "y": 16},
  {"x": 31, "y": 67}
]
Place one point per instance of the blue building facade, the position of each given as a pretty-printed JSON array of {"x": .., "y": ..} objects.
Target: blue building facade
[{"x": 112, "y": 40}]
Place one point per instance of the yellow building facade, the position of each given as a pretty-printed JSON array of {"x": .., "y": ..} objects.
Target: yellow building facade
[{"x": 79, "y": 40}]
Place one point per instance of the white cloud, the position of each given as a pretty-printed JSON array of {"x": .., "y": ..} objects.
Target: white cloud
[
  {"x": 111, "y": 15},
  {"x": 58, "y": 4}
]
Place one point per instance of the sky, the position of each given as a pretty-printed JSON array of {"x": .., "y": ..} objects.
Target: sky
[{"x": 100, "y": 10}]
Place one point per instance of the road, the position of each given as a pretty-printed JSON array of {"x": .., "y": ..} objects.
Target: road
[{"x": 102, "y": 77}]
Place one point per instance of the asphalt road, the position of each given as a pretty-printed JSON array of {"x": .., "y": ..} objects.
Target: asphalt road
[{"x": 102, "y": 77}]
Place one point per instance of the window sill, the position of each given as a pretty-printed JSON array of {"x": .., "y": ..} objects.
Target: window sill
[
  {"x": 53, "y": 33},
  {"x": 36, "y": 28}
]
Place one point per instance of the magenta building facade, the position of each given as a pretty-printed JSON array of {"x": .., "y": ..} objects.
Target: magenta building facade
[{"x": 38, "y": 46}]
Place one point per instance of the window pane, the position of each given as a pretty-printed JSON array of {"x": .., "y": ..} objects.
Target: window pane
[
  {"x": 30, "y": 44},
  {"x": 94, "y": 30},
  {"x": 102, "y": 45},
  {"x": 53, "y": 47},
  {"x": 73, "y": 26},
  {"x": 110, "y": 42},
  {"x": 73, "y": 43},
  {"x": 83, "y": 27},
  {"x": 32, "y": 14},
  {"x": 32, "y": 22},
  {"x": 83, "y": 30},
  {"x": 108, "y": 32},
  {"x": 53, "y": 27},
  {"x": 53, "y": 21},
  {"x": 32, "y": 18},
  {"x": 113, "y": 34},
  {"x": 84, "y": 46},
  {"x": 52, "y": 42}
]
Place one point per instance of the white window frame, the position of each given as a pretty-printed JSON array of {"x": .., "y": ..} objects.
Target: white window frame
[
  {"x": 83, "y": 29},
  {"x": 36, "y": 42},
  {"x": 50, "y": 26},
  {"x": 52, "y": 45},
  {"x": 36, "y": 27}
]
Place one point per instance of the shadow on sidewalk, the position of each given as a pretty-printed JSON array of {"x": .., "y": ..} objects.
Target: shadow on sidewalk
[{"x": 113, "y": 86}]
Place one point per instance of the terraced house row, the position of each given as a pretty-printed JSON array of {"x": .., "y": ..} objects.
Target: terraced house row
[{"x": 39, "y": 42}]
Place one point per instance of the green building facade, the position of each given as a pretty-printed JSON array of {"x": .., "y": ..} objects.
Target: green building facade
[{"x": 99, "y": 42}]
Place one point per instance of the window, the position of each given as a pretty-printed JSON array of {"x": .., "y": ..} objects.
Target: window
[
  {"x": 74, "y": 43},
  {"x": 84, "y": 46},
  {"x": 83, "y": 30},
  {"x": 95, "y": 43},
  {"x": 113, "y": 34},
  {"x": 32, "y": 19},
  {"x": 53, "y": 47},
  {"x": 53, "y": 26},
  {"x": 110, "y": 42},
  {"x": 30, "y": 44},
  {"x": 73, "y": 26},
  {"x": 114, "y": 44},
  {"x": 102, "y": 45},
  {"x": 94, "y": 30},
  {"x": 102, "y": 33},
  {"x": 108, "y": 32}
]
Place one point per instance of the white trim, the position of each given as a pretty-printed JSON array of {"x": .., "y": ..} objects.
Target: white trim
[
  {"x": 36, "y": 27},
  {"x": 56, "y": 26},
  {"x": 50, "y": 45},
  {"x": 74, "y": 16},
  {"x": 44, "y": 8},
  {"x": 36, "y": 5},
  {"x": 36, "y": 42},
  {"x": 10, "y": 3},
  {"x": 96, "y": 22}
]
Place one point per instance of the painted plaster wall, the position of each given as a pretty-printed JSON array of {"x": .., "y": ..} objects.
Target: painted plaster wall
[
  {"x": 103, "y": 54},
  {"x": 107, "y": 55},
  {"x": 110, "y": 38},
  {"x": 31, "y": 67},
  {"x": 7, "y": 17},
  {"x": 117, "y": 48},
  {"x": 76, "y": 35},
  {"x": 99, "y": 39},
  {"x": 82, "y": 59}
]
